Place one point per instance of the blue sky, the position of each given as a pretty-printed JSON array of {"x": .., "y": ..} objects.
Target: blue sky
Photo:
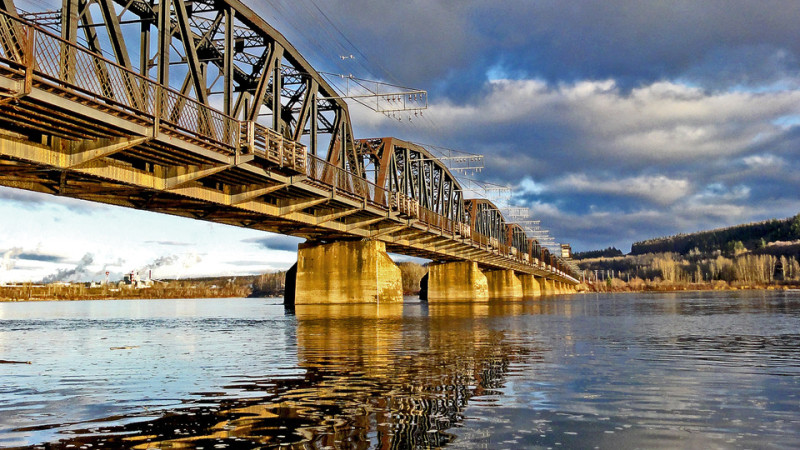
[{"x": 615, "y": 121}]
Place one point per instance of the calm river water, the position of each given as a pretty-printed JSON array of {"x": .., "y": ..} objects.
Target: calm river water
[{"x": 689, "y": 370}]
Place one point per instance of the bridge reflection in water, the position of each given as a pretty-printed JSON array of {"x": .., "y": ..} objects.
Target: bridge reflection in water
[{"x": 370, "y": 377}]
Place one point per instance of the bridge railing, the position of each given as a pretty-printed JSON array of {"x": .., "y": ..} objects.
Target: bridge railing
[
  {"x": 191, "y": 117},
  {"x": 272, "y": 146},
  {"x": 347, "y": 182},
  {"x": 63, "y": 64},
  {"x": 15, "y": 42},
  {"x": 437, "y": 221}
]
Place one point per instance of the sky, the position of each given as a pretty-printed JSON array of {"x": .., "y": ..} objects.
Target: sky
[{"x": 612, "y": 121}]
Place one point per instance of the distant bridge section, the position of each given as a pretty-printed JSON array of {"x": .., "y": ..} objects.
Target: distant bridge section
[{"x": 211, "y": 114}]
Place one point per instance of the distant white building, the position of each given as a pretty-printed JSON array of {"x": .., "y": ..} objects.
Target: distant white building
[{"x": 134, "y": 281}]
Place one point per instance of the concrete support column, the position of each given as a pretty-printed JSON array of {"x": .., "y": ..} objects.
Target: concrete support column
[
  {"x": 542, "y": 286},
  {"x": 530, "y": 287},
  {"x": 504, "y": 285},
  {"x": 457, "y": 281},
  {"x": 550, "y": 287},
  {"x": 346, "y": 272}
]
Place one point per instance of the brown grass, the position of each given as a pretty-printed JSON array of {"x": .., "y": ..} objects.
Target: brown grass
[{"x": 172, "y": 289}]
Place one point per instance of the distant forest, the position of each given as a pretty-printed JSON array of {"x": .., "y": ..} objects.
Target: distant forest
[
  {"x": 752, "y": 236},
  {"x": 755, "y": 254},
  {"x": 610, "y": 252}
]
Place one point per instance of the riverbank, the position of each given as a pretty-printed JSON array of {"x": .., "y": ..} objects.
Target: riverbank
[
  {"x": 640, "y": 285},
  {"x": 29, "y": 292}
]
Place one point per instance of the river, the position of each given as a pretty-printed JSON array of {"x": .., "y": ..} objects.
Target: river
[{"x": 689, "y": 370}]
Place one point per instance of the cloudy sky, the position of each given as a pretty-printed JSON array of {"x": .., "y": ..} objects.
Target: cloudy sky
[{"x": 614, "y": 121}]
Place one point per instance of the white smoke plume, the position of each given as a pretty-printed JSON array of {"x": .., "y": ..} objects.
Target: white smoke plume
[
  {"x": 161, "y": 261},
  {"x": 70, "y": 274},
  {"x": 10, "y": 258},
  {"x": 190, "y": 259}
]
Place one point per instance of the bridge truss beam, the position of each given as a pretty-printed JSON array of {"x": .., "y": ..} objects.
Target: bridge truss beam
[{"x": 217, "y": 53}]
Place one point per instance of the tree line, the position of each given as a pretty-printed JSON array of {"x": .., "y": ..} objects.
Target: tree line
[{"x": 609, "y": 252}]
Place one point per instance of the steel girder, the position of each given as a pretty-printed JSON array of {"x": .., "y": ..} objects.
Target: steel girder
[
  {"x": 546, "y": 256},
  {"x": 517, "y": 238},
  {"x": 223, "y": 55},
  {"x": 399, "y": 166},
  {"x": 535, "y": 248},
  {"x": 486, "y": 219}
]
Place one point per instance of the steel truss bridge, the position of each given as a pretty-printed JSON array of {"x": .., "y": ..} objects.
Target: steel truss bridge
[{"x": 201, "y": 109}]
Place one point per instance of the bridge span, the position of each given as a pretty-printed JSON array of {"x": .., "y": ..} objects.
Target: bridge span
[{"x": 221, "y": 119}]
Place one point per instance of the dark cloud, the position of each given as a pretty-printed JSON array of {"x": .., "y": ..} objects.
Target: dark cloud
[
  {"x": 449, "y": 47},
  {"x": 32, "y": 256},
  {"x": 19, "y": 196},
  {"x": 276, "y": 242},
  {"x": 170, "y": 243},
  {"x": 15, "y": 258}
]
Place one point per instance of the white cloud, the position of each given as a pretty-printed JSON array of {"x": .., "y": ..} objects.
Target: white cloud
[
  {"x": 527, "y": 187},
  {"x": 663, "y": 121},
  {"x": 659, "y": 188},
  {"x": 764, "y": 161}
]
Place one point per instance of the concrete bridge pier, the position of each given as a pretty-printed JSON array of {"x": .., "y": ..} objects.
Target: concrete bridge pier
[
  {"x": 345, "y": 272},
  {"x": 552, "y": 287},
  {"x": 530, "y": 287},
  {"x": 504, "y": 285},
  {"x": 541, "y": 281},
  {"x": 547, "y": 286},
  {"x": 457, "y": 281}
]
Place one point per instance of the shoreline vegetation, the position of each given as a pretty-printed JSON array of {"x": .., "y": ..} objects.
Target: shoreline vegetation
[
  {"x": 617, "y": 285},
  {"x": 165, "y": 290},
  {"x": 762, "y": 255},
  {"x": 272, "y": 284},
  {"x": 265, "y": 285}
]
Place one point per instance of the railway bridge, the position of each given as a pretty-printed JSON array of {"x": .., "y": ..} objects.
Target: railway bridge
[{"x": 201, "y": 109}]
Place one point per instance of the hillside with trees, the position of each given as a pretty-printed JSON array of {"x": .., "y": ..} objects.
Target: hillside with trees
[
  {"x": 752, "y": 255},
  {"x": 751, "y": 236}
]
